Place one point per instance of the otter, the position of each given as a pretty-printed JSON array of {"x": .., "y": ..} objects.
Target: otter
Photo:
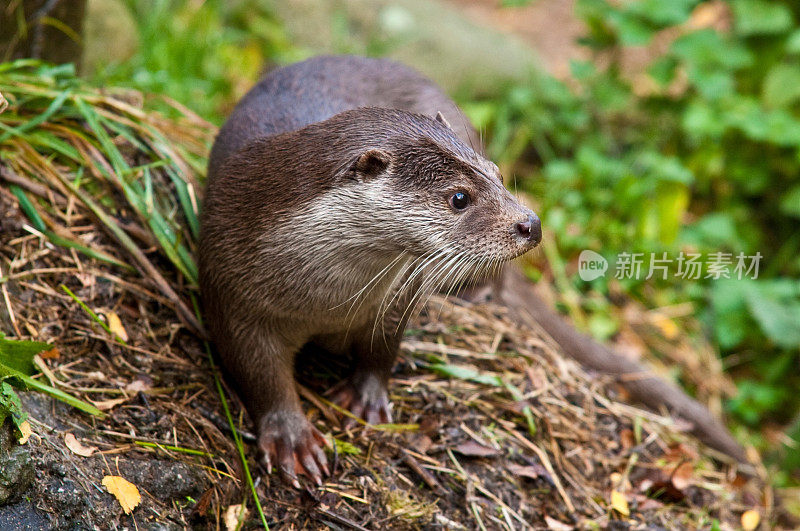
[{"x": 338, "y": 196}]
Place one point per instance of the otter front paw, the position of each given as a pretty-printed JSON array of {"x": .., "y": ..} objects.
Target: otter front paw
[
  {"x": 366, "y": 397},
  {"x": 290, "y": 442}
]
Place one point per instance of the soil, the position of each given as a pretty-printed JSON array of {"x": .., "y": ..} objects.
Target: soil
[{"x": 495, "y": 428}]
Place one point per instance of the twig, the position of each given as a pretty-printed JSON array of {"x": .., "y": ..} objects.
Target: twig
[{"x": 426, "y": 476}]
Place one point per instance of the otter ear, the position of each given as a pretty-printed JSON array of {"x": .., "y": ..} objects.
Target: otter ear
[
  {"x": 371, "y": 163},
  {"x": 441, "y": 120}
]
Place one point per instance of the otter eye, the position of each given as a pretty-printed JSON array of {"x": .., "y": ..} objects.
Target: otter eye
[{"x": 459, "y": 200}]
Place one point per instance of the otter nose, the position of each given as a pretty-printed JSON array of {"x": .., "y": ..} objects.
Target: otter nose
[{"x": 529, "y": 229}]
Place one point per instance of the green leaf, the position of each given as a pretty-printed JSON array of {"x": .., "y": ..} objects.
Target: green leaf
[
  {"x": 712, "y": 84},
  {"x": 662, "y": 71},
  {"x": 731, "y": 318},
  {"x": 632, "y": 30},
  {"x": 782, "y": 85},
  {"x": 18, "y": 355},
  {"x": 753, "y": 399},
  {"x": 707, "y": 49},
  {"x": 346, "y": 448},
  {"x": 602, "y": 326},
  {"x": 793, "y": 43},
  {"x": 11, "y": 405},
  {"x": 761, "y": 17},
  {"x": 582, "y": 70},
  {"x": 662, "y": 13},
  {"x": 702, "y": 121},
  {"x": 790, "y": 204},
  {"x": 16, "y": 365},
  {"x": 714, "y": 230},
  {"x": 461, "y": 372},
  {"x": 776, "y": 311}
]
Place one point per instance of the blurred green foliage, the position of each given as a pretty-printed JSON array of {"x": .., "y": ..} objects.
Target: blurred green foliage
[
  {"x": 700, "y": 152},
  {"x": 205, "y": 55}
]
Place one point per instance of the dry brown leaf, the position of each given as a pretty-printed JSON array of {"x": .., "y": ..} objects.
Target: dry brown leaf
[
  {"x": 232, "y": 516},
  {"x": 86, "y": 279},
  {"x": 627, "y": 439},
  {"x": 138, "y": 385},
  {"x": 51, "y": 354},
  {"x": 683, "y": 475},
  {"x": 115, "y": 325},
  {"x": 105, "y": 405},
  {"x": 556, "y": 525},
  {"x": 474, "y": 449},
  {"x": 750, "y": 520},
  {"x": 25, "y": 429},
  {"x": 76, "y": 447},
  {"x": 420, "y": 443},
  {"x": 620, "y": 503},
  {"x": 531, "y": 471},
  {"x": 126, "y": 493}
]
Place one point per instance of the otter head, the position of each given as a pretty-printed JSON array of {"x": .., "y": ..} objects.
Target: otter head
[{"x": 442, "y": 203}]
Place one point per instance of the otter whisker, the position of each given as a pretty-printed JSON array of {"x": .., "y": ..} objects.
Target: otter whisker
[
  {"x": 391, "y": 289},
  {"x": 351, "y": 319},
  {"x": 463, "y": 268},
  {"x": 423, "y": 260},
  {"x": 373, "y": 279},
  {"x": 443, "y": 260},
  {"x": 436, "y": 280},
  {"x": 374, "y": 282}
]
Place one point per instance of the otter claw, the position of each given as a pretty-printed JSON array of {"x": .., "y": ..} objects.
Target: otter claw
[
  {"x": 368, "y": 401},
  {"x": 292, "y": 447}
]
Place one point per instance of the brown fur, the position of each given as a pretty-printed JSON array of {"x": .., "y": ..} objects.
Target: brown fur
[{"x": 331, "y": 232}]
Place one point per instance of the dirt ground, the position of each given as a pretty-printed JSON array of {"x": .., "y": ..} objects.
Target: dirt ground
[{"x": 494, "y": 428}]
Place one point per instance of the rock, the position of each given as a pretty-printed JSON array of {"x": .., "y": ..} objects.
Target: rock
[
  {"x": 109, "y": 34},
  {"x": 16, "y": 466},
  {"x": 432, "y": 36}
]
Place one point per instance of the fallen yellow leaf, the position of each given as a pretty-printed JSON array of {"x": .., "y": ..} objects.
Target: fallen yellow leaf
[
  {"x": 233, "y": 514},
  {"x": 76, "y": 447},
  {"x": 620, "y": 503},
  {"x": 124, "y": 491},
  {"x": 115, "y": 325},
  {"x": 750, "y": 520},
  {"x": 25, "y": 429},
  {"x": 668, "y": 327}
]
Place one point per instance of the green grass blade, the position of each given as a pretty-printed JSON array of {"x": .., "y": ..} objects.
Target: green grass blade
[
  {"x": 54, "y": 106},
  {"x": 36, "y": 385},
  {"x": 27, "y": 207},
  {"x": 186, "y": 203},
  {"x": 137, "y": 198},
  {"x": 179, "y": 449},
  {"x": 94, "y": 316},
  {"x": 236, "y": 437},
  {"x": 38, "y": 223}
]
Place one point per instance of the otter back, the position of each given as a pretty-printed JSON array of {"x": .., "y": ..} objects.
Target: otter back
[{"x": 304, "y": 93}]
